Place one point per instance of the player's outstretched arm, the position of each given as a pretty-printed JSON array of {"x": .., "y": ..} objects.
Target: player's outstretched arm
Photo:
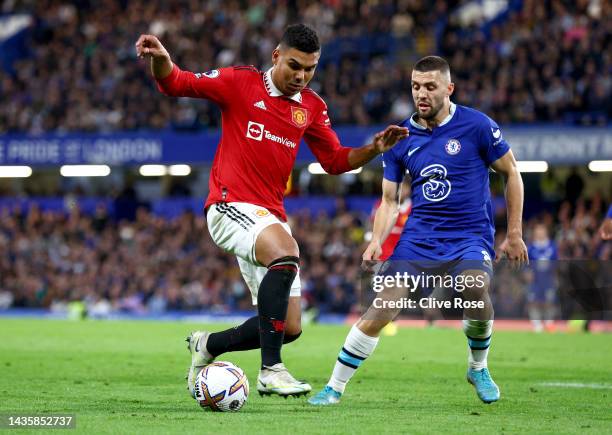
[
  {"x": 384, "y": 219},
  {"x": 513, "y": 246},
  {"x": 174, "y": 82},
  {"x": 383, "y": 141},
  {"x": 161, "y": 63}
]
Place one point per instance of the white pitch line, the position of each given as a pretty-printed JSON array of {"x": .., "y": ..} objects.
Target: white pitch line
[{"x": 576, "y": 385}]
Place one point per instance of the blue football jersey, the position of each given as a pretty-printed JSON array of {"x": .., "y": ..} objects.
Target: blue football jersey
[
  {"x": 542, "y": 258},
  {"x": 449, "y": 166}
]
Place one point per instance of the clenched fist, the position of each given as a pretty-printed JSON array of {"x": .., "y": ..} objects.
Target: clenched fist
[{"x": 149, "y": 46}]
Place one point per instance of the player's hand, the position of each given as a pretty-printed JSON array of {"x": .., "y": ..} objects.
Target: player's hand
[
  {"x": 385, "y": 140},
  {"x": 515, "y": 250},
  {"x": 371, "y": 256},
  {"x": 605, "y": 231},
  {"x": 150, "y": 46}
]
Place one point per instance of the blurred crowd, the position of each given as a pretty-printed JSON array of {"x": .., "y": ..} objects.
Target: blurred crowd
[
  {"x": 545, "y": 61},
  {"x": 153, "y": 265},
  {"x": 550, "y": 62}
]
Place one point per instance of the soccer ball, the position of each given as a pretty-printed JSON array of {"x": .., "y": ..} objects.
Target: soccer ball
[{"x": 221, "y": 386}]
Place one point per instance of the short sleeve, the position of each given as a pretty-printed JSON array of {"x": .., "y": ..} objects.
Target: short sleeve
[
  {"x": 393, "y": 168},
  {"x": 492, "y": 144}
]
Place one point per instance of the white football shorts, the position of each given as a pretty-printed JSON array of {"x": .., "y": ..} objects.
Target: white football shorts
[{"x": 234, "y": 227}]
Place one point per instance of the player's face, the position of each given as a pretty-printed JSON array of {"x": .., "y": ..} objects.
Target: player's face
[
  {"x": 430, "y": 91},
  {"x": 293, "y": 69},
  {"x": 540, "y": 234}
]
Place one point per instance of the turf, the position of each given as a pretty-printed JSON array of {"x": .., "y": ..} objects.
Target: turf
[{"x": 127, "y": 377}]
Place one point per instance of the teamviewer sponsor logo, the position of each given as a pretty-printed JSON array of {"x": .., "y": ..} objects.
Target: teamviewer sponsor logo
[{"x": 255, "y": 130}]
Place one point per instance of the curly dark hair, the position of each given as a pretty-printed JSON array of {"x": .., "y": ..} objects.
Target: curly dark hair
[{"x": 301, "y": 37}]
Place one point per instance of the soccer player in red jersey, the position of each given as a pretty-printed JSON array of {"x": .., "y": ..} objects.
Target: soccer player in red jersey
[
  {"x": 265, "y": 115},
  {"x": 403, "y": 212}
]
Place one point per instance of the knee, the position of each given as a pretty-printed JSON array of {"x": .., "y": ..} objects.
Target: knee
[
  {"x": 476, "y": 285},
  {"x": 288, "y": 248},
  {"x": 274, "y": 243},
  {"x": 372, "y": 327}
]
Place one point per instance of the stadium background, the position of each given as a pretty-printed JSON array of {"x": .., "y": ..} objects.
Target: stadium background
[{"x": 73, "y": 92}]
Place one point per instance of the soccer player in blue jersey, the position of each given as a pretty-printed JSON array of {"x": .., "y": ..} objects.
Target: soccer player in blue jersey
[
  {"x": 448, "y": 153},
  {"x": 542, "y": 276}
]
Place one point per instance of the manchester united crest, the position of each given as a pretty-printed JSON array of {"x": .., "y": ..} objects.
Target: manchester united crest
[
  {"x": 299, "y": 116},
  {"x": 261, "y": 212}
]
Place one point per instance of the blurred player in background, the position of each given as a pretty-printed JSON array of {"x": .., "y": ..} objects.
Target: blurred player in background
[
  {"x": 542, "y": 278},
  {"x": 448, "y": 154},
  {"x": 605, "y": 231},
  {"x": 265, "y": 116}
]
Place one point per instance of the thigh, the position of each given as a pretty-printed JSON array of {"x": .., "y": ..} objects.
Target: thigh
[
  {"x": 235, "y": 226},
  {"x": 473, "y": 260}
]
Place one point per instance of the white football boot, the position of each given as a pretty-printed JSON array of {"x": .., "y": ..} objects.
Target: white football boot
[
  {"x": 278, "y": 380},
  {"x": 200, "y": 357}
]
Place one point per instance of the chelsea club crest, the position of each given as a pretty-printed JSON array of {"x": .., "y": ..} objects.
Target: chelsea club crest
[{"x": 452, "y": 147}]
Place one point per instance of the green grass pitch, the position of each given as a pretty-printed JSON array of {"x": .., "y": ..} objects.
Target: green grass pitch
[{"x": 127, "y": 377}]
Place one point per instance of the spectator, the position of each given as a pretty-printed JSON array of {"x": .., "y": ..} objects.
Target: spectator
[{"x": 546, "y": 62}]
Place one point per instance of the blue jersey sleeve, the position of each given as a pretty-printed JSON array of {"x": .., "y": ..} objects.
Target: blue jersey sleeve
[
  {"x": 393, "y": 168},
  {"x": 609, "y": 215},
  {"x": 492, "y": 143}
]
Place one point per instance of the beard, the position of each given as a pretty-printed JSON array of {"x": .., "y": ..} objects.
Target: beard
[{"x": 431, "y": 113}]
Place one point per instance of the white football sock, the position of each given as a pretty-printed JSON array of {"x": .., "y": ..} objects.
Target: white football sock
[
  {"x": 357, "y": 347},
  {"x": 478, "y": 333}
]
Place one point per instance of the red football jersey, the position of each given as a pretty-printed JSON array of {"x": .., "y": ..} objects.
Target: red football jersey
[{"x": 261, "y": 132}]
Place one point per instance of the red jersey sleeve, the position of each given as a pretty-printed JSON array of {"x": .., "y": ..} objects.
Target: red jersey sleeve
[
  {"x": 215, "y": 85},
  {"x": 325, "y": 145}
]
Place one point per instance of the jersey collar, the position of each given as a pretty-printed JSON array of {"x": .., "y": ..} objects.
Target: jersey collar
[
  {"x": 273, "y": 90},
  {"x": 446, "y": 120}
]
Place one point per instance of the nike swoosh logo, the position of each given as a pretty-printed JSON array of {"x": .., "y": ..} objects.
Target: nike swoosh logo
[{"x": 412, "y": 151}]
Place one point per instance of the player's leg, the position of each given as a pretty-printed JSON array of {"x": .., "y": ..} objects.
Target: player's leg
[
  {"x": 358, "y": 346},
  {"x": 535, "y": 299},
  {"x": 478, "y": 328},
  {"x": 534, "y": 309},
  {"x": 235, "y": 228},
  {"x": 246, "y": 336},
  {"x": 276, "y": 248},
  {"x": 549, "y": 309}
]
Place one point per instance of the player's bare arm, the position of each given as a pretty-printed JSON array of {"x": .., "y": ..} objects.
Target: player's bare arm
[
  {"x": 382, "y": 142},
  {"x": 151, "y": 47},
  {"x": 513, "y": 246},
  {"x": 384, "y": 219}
]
